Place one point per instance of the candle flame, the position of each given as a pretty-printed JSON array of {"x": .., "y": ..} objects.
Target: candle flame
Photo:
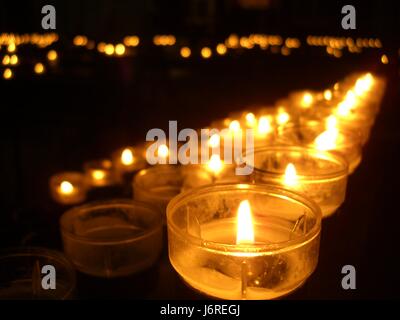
[
  {"x": 127, "y": 157},
  {"x": 213, "y": 142},
  {"x": 66, "y": 187},
  {"x": 245, "y": 227},
  {"x": 307, "y": 100},
  {"x": 290, "y": 178},
  {"x": 328, "y": 95},
  {"x": 163, "y": 151},
  {"x": 251, "y": 119},
  {"x": 282, "y": 117},
  {"x": 215, "y": 164},
  {"x": 98, "y": 174},
  {"x": 234, "y": 126},
  {"x": 264, "y": 125}
]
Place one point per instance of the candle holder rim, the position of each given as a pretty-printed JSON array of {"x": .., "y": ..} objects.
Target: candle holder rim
[
  {"x": 45, "y": 253},
  {"x": 179, "y": 169},
  {"x": 257, "y": 248},
  {"x": 148, "y": 232},
  {"x": 344, "y": 171}
]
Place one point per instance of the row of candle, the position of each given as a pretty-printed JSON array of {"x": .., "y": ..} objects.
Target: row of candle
[{"x": 229, "y": 236}]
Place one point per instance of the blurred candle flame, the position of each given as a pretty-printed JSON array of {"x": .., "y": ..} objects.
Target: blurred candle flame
[
  {"x": 290, "y": 177},
  {"x": 66, "y": 187},
  {"x": 127, "y": 157}
]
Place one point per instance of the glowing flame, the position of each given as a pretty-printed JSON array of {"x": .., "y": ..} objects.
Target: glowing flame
[
  {"x": 98, "y": 174},
  {"x": 251, "y": 119},
  {"x": 234, "y": 126},
  {"x": 52, "y": 55},
  {"x": 245, "y": 228},
  {"x": 213, "y": 142},
  {"x": 290, "y": 178},
  {"x": 215, "y": 164},
  {"x": 206, "y": 52},
  {"x": 264, "y": 125},
  {"x": 127, "y": 157},
  {"x": 307, "y": 100},
  {"x": 185, "y": 52},
  {"x": 120, "y": 49},
  {"x": 282, "y": 117},
  {"x": 66, "y": 187},
  {"x": 221, "y": 49},
  {"x": 327, "y": 140},
  {"x": 163, "y": 151},
  {"x": 39, "y": 68},
  {"x": 328, "y": 95}
]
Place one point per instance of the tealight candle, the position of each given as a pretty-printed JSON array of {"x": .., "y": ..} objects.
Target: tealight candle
[
  {"x": 21, "y": 274},
  {"x": 113, "y": 238},
  {"x": 325, "y": 138},
  {"x": 159, "y": 184},
  {"x": 242, "y": 241},
  {"x": 99, "y": 173},
  {"x": 68, "y": 188},
  {"x": 320, "y": 175},
  {"x": 127, "y": 161}
]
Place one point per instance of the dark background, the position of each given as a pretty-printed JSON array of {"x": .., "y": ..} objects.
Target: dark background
[{"x": 89, "y": 105}]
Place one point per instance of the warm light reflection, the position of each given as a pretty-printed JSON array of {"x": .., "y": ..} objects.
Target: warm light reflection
[
  {"x": 290, "y": 177},
  {"x": 384, "y": 59},
  {"x": 245, "y": 227},
  {"x": 127, "y": 157}
]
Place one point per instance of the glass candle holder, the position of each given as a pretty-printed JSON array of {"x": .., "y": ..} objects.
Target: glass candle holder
[
  {"x": 68, "y": 188},
  {"x": 362, "y": 126},
  {"x": 321, "y": 176},
  {"x": 206, "y": 244},
  {"x": 21, "y": 274},
  {"x": 159, "y": 184},
  {"x": 99, "y": 173},
  {"x": 343, "y": 142},
  {"x": 113, "y": 238}
]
